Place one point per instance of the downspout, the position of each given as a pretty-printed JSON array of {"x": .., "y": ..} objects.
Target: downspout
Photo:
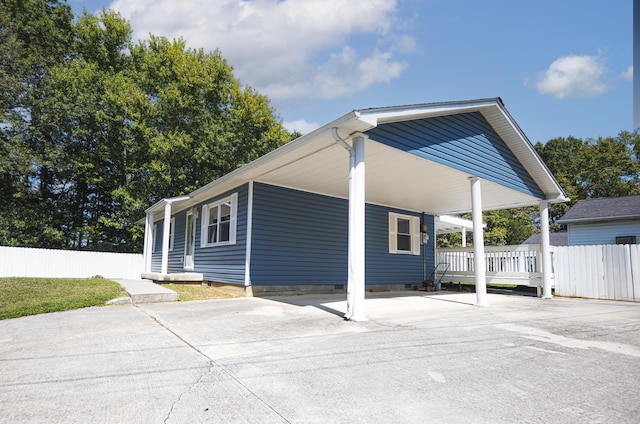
[
  {"x": 350, "y": 242},
  {"x": 339, "y": 139}
]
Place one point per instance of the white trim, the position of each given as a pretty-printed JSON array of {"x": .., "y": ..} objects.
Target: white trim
[
  {"x": 233, "y": 221},
  {"x": 247, "y": 256}
]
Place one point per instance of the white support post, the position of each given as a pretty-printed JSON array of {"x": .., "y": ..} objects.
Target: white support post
[
  {"x": 165, "y": 238},
  {"x": 350, "y": 288},
  {"x": 464, "y": 236},
  {"x": 148, "y": 241},
  {"x": 478, "y": 243},
  {"x": 356, "y": 257},
  {"x": 545, "y": 248}
]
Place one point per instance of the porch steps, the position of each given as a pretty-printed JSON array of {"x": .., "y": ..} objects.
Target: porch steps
[{"x": 146, "y": 291}]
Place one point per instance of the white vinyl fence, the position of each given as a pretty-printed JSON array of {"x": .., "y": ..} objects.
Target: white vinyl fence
[
  {"x": 598, "y": 272},
  {"x": 503, "y": 264},
  {"x": 28, "y": 262}
]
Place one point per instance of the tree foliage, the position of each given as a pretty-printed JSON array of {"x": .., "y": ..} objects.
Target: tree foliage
[
  {"x": 586, "y": 169},
  {"x": 96, "y": 127}
]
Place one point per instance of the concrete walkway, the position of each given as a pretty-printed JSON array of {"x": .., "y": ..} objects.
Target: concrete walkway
[
  {"x": 419, "y": 359},
  {"x": 146, "y": 291}
]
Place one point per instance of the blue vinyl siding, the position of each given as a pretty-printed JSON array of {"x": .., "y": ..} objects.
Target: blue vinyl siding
[
  {"x": 301, "y": 238},
  {"x": 465, "y": 142},
  {"x": 176, "y": 255},
  {"x": 601, "y": 232},
  {"x": 225, "y": 263},
  {"x": 156, "y": 255},
  {"x": 298, "y": 237},
  {"x": 383, "y": 267}
]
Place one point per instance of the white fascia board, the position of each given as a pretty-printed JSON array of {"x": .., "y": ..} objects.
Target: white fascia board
[
  {"x": 402, "y": 113},
  {"x": 160, "y": 204},
  {"x": 459, "y": 222},
  {"x": 533, "y": 158}
]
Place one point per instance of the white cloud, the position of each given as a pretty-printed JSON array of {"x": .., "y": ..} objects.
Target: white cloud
[
  {"x": 628, "y": 74},
  {"x": 285, "y": 48},
  {"x": 574, "y": 76},
  {"x": 302, "y": 126}
]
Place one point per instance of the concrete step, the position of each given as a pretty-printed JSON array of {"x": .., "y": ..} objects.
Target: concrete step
[{"x": 146, "y": 291}]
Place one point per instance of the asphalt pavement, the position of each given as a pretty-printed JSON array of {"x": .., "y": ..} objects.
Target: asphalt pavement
[{"x": 420, "y": 358}]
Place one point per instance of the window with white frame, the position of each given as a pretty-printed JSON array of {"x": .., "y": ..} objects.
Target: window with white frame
[
  {"x": 404, "y": 234},
  {"x": 219, "y": 222}
]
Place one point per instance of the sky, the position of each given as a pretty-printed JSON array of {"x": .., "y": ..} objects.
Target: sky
[{"x": 562, "y": 67}]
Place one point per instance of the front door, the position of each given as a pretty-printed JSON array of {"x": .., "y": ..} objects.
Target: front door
[{"x": 190, "y": 241}]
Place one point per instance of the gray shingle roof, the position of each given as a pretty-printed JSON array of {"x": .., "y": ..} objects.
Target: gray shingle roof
[
  {"x": 604, "y": 208},
  {"x": 555, "y": 239}
]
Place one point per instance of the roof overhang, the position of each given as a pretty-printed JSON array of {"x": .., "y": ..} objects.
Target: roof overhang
[
  {"x": 317, "y": 162},
  {"x": 445, "y": 224}
]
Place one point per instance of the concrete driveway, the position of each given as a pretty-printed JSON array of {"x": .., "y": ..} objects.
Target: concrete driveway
[{"x": 434, "y": 358}]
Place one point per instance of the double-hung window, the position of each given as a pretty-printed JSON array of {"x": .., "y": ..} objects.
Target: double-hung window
[
  {"x": 404, "y": 234},
  {"x": 219, "y": 222}
]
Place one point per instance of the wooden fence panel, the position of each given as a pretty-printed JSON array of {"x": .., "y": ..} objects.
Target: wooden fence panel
[{"x": 28, "y": 262}]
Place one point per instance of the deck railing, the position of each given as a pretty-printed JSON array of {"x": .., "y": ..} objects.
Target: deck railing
[{"x": 520, "y": 264}]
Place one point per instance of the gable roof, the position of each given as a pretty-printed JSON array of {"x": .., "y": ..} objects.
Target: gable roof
[
  {"x": 603, "y": 208},
  {"x": 317, "y": 162}
]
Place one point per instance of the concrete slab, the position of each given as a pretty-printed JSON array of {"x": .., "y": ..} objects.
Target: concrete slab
[
  {"x": 146, "y": 291},
  {"x": 174, "y": 277},
  {"x": 418, "y": 359}
]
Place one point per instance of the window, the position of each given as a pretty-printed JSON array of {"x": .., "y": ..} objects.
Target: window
[
  {"x": 219, "y": 222},
  {"x": 626, "y": 240},
  {"x": 153, "y": 238},
  {"x": 172, "y": 226},
  {"x": 404, "y": 234}
]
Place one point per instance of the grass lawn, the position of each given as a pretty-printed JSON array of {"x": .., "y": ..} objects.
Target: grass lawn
[
  {"x": 31, "y": 296},
  {"x": 199, "y": 292}
]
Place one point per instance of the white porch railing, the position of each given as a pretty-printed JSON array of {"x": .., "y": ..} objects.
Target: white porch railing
[{"x": 504, "y": 264}]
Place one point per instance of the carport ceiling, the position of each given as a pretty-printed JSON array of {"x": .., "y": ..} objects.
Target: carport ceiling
[{"x": 393, "y": 178}]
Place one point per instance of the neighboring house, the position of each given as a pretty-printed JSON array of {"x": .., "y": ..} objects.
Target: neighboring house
[
  {"x": 302, "y": 217},
  {"x": 606, "y": 220},
  {"x": 555, "y": 239}
]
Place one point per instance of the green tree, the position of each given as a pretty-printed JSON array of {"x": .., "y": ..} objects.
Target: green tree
[
  {"x": 602, "y": 167},
  {"x": 34, "y": 36},
  {"x": 96, "y": 128},
  {"x": 610, "y": 167},
  {"x": 565, "y": 159}
]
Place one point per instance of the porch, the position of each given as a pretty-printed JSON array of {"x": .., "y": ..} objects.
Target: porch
[{"x": 519, "y": 264}]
